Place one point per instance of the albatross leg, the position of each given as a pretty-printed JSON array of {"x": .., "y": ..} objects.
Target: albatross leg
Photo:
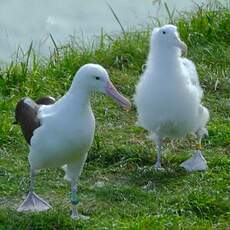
[
  {"x": 74, "y": 201},
  {"x": 157, "y": 165},
  {"x": 33, "y": 202},
  {"x": 197, "y": 162}
]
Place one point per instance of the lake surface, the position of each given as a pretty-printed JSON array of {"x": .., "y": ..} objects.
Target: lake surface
[{"x": 23, "y": 21}]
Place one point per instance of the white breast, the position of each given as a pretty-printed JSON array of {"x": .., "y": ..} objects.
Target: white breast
[
  {"x": 62, "y": 137},
  {"x": 167, "y": 104}
]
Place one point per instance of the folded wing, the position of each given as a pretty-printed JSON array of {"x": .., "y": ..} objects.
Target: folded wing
[
  {"x": 26, "y": 114},
  {"x": 190, "y": 68}
]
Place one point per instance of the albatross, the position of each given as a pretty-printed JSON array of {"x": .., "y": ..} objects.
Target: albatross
[
  {"x": 60, "y": 133},
  {"x": 168, "y": 96}
]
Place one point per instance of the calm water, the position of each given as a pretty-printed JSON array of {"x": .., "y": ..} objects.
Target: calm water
[{"x": 22, "y": 21}]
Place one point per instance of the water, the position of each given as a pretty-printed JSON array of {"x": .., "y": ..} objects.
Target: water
[{"x": 23, "y": 21}]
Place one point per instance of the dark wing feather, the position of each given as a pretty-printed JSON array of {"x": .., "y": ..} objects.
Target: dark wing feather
[
  {"x": 45, "y": 100},
  {"x": 26, "y": 115}
]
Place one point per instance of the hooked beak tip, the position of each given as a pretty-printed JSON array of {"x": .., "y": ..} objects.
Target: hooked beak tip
[
  {"x": 181, "y": 45},
  {"x": 128, "y": 107}
]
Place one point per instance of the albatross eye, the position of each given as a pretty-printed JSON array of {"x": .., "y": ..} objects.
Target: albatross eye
[
  {"x": 97, "y": 78},
  {"x": 163, "y": 32}
]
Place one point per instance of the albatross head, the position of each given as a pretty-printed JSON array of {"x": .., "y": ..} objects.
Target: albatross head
[
  {"x": 168, "y": 37},
  {"x": 94, "y": 78}
]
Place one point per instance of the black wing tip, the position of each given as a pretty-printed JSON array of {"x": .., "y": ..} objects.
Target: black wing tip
[
  {"x": 21, "y": 106},
  {"x": 24, "y": 102},
  {"x": 26, "y": 114}
]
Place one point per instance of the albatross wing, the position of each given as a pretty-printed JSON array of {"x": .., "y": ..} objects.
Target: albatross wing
[{"x": 26, "y": 114}]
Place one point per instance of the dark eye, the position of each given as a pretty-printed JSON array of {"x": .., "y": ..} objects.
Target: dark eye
[
  {"x": 163, "y": 32},
  {"x": 97, "y": 78}
]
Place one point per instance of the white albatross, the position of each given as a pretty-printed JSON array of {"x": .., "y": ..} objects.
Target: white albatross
[
  {"x": 168, "y": 95},
  {"x": 60, "y": 133}
]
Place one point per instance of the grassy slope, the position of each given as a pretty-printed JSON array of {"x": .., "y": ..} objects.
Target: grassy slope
[{"x": 121, "y": 156}]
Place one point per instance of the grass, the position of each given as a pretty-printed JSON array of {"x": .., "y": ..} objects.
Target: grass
[{"x": 121, "y": 156}]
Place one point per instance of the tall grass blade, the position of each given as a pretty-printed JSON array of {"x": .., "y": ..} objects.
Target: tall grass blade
[
  {"x": 170, "y": 14},
  {"x": 102, "y": 36},
  {"x": 116, "y": 17},
  {"x": 55, "y": 44},
  {"x": 28, "y": 55}
]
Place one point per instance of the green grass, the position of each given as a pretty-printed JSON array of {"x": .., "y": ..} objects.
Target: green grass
[{"x": 121, "y": 156}]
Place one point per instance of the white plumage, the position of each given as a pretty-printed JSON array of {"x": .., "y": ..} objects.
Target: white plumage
[
  {"x": 168, "y": 95},
  {"x": 66, "y": 130}
]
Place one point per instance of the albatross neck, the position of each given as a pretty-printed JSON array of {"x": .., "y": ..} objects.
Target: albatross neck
[
  {"x": 77, "y": 97},
  {"x": 164, "y": 59},
  {"x": 166, "y": 55}
]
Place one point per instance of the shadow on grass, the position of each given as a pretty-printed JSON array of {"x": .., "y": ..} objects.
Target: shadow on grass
[{"x": 53, "y": 219}]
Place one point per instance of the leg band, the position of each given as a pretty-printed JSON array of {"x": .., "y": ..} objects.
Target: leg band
[
  {"x": 198, "y": 146},
  {"x": 74, "y": 198}
]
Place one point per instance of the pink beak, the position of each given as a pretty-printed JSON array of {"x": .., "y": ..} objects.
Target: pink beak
[
  {"x": 112, "y": 91},
  {"x": 181, "y": 45},
  {"x": 183, "y": 48}
]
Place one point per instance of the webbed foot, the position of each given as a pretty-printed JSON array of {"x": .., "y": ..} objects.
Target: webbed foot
[
  {"x": 196, "y": 163},
  {"x": 33, "y": 203},
  {"x": 158, "y": 167}
]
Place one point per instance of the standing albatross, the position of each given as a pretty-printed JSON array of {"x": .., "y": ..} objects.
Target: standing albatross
[
  {"x": 61, "y": 133},
  {"x": 168, "y": 95}
]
